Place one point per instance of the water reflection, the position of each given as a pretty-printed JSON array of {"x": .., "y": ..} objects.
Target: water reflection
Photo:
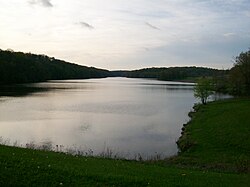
[
  {"x": 20, "y": 90},
  {"x": 129, "y": 116}
]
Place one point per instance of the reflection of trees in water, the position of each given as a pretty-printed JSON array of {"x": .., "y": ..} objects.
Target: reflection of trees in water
[
  {"x": 169, "y": 87},
  {"x": 19, "y": 90}
]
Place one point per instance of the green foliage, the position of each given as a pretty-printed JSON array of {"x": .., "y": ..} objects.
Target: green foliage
[
  {"x": 240, "y": 75},
  {"x": 219, "y": 132},
  {"x": 203, "y": 89},
  {"x": 18, "y": 67}
]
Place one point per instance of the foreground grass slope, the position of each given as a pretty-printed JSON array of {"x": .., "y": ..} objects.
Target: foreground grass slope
[
  {"x": 218, "y": 137},
  {"x": 220, "y": 147},
  {"x": 38, "y": 168}
]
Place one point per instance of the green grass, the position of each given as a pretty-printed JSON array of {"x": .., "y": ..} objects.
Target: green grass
[
  {"x": 219, "y": 156},
  {"x": 39, "y": 168},
  {"x": 219, "y": 137}
]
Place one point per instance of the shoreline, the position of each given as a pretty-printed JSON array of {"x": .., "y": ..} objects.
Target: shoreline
[
  {"x": 212, "y": 137},
  {"x": 206, "y": 162}
]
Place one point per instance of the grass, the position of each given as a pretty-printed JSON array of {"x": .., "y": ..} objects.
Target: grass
[
  {"x": 218, "y": 137},
  {"x": 29, "y": 167},
  {"x": 218, "y": 155}
]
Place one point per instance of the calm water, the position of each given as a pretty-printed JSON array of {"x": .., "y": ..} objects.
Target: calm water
[{"x": 129, "y": 116}]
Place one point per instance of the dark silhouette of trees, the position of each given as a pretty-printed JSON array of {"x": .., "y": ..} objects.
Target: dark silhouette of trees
[
  {"x": 240, "y": 75},
  {"x": 18, "y": 67},
  {"x": 176, "y": 73}
]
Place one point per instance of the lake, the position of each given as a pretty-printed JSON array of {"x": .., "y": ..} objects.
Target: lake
[{"x": 122, "y": 115}]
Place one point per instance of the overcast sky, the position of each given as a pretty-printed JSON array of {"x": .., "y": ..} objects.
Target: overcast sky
[{"x": 128, "y": 34}]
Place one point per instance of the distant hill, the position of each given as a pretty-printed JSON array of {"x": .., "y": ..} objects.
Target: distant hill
[
  {"x": 172, "y": 73},
  {"x": 18, "y": 67}
]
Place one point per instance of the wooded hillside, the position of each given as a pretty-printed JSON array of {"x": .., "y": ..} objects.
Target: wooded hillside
[
  {"x": 176, "y": 73},
  {"x": 18, "y": 67}
]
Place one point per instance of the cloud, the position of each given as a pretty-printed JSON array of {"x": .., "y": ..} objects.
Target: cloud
[
  {"x": 45, "y": 3},
  {"x": 86, "y": 25},
  {"x": 139, "y": 31},
  {"x": 151, "y": 26},
  {"x": 229, "y": 34}
]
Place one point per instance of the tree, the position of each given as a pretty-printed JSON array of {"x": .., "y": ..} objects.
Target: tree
[
  {"x": 203, "y": 89},
  {"x": 240, "y": 74}
]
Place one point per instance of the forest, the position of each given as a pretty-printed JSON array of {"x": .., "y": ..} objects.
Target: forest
[
  {"x": 19, "y": 67},
  {"x": 176, "y": 73}
]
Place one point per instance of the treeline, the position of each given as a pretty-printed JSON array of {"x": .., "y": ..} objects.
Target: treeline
[
  {"x": 18, "y": 67},
  {"x": 176, "y": 73},
  {"x": 187, "y": 74},
  {"x": 235, "y": 81}
]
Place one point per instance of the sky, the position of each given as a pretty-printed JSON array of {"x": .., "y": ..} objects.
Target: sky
[{"x": 124, "y": 35}]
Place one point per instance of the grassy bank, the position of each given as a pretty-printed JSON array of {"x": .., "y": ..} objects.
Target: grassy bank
[
  {"x": 216, "y": 145},
  {"x": 217, "y": 137},
  {"x": 38, "y": 168}
]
